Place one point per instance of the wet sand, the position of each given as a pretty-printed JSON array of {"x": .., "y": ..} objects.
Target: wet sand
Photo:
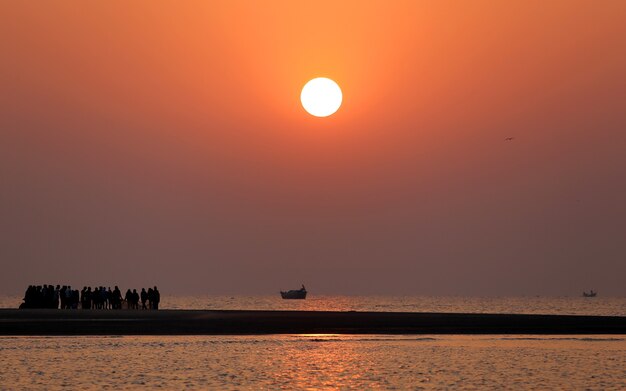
[{"x": 197, "y": 322}]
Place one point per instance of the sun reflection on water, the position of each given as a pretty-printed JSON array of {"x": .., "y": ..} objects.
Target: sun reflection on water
[{"x": 314, "y": 361}]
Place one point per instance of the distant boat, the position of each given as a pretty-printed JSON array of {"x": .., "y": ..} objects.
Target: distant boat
[
  {"x": 590, "y": 294},
  {"x": 294, "y": 294}
]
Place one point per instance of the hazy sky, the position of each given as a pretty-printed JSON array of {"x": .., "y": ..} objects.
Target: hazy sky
[{"x": 162, "y": 142}]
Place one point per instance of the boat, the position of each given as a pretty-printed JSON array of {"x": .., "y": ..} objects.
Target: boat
[
  {"x": 294, "y": 294},
  {"x": 590, "y": 294}
]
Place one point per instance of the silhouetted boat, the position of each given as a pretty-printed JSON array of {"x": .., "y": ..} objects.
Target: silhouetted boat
[
  {"x": 294, "y": 294},
  {"x": 590, "y": 294}
]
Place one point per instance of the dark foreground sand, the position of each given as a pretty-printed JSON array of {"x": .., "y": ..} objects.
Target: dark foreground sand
[{"x": 184, "y": 322}]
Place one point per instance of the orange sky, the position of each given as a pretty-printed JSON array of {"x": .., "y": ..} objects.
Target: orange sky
[{"x": 170, "y": 135}]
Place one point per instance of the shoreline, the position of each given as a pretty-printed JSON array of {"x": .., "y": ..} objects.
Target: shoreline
[{"x": 50, "y": 322}]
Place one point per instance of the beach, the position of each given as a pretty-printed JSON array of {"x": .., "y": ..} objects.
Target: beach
[{"x": 233, "y": 322}]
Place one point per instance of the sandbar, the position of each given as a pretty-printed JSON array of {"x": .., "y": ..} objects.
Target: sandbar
[{"x": 40, "y": 322}]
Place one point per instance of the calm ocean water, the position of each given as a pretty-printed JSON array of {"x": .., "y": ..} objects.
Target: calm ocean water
[
  {"x": 328, "y": 361},
  {"x": 314, "y": 362},
  {"x": 522, "y": 305}
]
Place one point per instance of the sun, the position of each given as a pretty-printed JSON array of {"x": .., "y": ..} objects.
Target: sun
[{"x": 321, "y": 97}]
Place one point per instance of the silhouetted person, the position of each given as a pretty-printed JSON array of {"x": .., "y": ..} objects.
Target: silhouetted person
[
  {"x": 150, "y": 298},
  {"x": 117, "y": 298},
  {"x": 75, "y": 298},
  {"x": 83, "y": 298},
  {"x": 47, "y": 295},
  {"x": 135, "y": 297},
  {"x": 29, "y": 297},
  {"x": 109, "y": 296},
  {"x": 68, "y": 297},
  {"x": 103, "y": 297},
  {"x": 57, "y": 291},
  {"x": 144, "y": 298},
  {"x": 156, "y": 298},
  {"x": 129, "y": 298},
  {"x": 62, "y": 296}
]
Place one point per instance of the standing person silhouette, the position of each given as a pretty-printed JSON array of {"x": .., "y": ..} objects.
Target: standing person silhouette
[
  {"x": 117, "y": 298},
  {"x": 144, "y": 298},
  {"x": 135, "y": 296},
  {"x": 157, "y": 298},
  {"x": 109, "y": 299},
  {"x": 57, "y": 293},
  {"x": 129, "y": 299},
  {"x": 150, "y": 298}
]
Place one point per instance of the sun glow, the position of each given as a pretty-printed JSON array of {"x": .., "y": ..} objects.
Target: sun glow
[{"x": 321, "y": 97}]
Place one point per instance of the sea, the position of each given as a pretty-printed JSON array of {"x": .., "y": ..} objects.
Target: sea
[{"x": 329, "y": 362}]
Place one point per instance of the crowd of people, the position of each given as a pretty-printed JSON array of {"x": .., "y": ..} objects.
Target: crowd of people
[{"x": 64, "y": 297}]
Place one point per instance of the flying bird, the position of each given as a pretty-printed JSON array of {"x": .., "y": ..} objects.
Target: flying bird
[{"x": 509, "y": 139}]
